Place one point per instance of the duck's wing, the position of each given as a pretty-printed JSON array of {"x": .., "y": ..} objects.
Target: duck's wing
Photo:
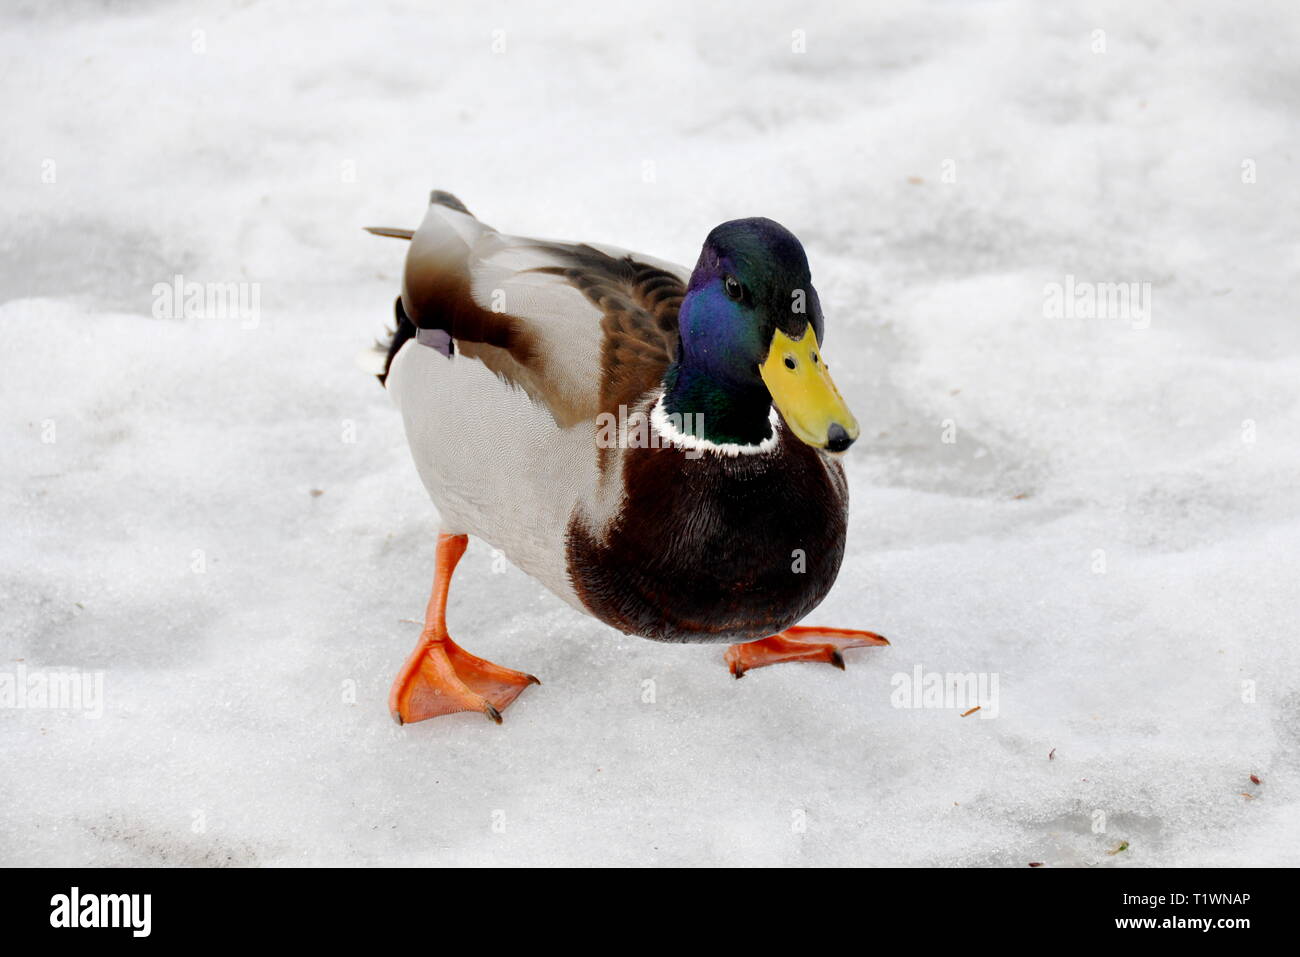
[{"x": 581, "y": 328}]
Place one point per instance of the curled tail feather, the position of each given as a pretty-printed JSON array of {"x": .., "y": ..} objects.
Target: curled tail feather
[
  {"x": 405, "y": 328},
  {"x": 392, "y": 231}
]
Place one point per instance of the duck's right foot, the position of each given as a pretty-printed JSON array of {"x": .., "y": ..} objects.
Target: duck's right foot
[{"x": 441, "y": 678}]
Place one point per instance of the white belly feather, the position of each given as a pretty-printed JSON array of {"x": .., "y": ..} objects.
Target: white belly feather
[{"x": 496, "y": 465}]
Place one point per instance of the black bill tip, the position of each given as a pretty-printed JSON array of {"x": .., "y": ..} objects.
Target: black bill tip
[{"x": 837, "y": 438}]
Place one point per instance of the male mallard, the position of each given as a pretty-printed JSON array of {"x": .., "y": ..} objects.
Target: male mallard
[{"x": 658, "y": 448}]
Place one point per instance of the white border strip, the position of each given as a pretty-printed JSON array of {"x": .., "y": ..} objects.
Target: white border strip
[{"x": 665, "y": 429}]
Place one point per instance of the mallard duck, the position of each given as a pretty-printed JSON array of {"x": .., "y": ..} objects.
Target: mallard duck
[{"x": 659, "y": 447}]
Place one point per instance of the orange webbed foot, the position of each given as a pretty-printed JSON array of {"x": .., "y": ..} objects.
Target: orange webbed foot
[
  {"x": 441, "y": 678},
  {"x": 799, "y": 643}
]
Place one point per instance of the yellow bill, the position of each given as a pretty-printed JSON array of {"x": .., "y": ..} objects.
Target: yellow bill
[{"x": 802, "y": 390}]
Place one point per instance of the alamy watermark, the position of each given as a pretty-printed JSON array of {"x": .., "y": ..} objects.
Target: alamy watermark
[
  {"x": 1125, "y": 301},
  {"x": 972, "y": 692},
  {"x": 55, "y": 690},
  {"x": 179, "y": 299},
  {"x": 130, "y": 911},
  {"x": 635, "y": 430}
]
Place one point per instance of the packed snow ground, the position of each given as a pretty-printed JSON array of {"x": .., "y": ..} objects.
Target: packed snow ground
[{"x": 1114, "y": 531}]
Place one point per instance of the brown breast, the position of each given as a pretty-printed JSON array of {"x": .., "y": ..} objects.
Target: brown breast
[{"x": 716, "y": 548}]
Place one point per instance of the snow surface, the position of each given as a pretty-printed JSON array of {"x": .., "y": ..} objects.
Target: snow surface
[{"x": 229, "y": 735}]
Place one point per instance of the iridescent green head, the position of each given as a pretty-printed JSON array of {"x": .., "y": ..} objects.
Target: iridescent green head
[{"x": 751, "y": 332}]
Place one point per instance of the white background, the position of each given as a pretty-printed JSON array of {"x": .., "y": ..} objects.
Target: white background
[{"x": 225, "y": 691}]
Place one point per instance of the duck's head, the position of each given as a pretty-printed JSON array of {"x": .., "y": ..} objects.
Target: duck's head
[{"x": 751, "y": 337}]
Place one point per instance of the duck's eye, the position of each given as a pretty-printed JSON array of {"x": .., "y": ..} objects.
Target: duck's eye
[
  {"x": 789, "y": 362},
  {"x": 733, "y": 287}
]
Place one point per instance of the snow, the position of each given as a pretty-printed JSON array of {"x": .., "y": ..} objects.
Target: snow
[{"x": 1114, "y": 533}]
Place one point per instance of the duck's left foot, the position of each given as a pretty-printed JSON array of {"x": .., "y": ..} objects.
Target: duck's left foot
[{"x": 799, "y": 644}]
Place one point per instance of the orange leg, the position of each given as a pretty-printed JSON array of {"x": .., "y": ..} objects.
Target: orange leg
[
  {"x": 799, "y": 644},
  {"x": 441, "y": 677}
]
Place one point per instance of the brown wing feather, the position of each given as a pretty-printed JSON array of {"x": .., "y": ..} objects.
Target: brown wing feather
[
  {"x": 638, "y": 304},
  {"x": 546, "y": 348}
]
